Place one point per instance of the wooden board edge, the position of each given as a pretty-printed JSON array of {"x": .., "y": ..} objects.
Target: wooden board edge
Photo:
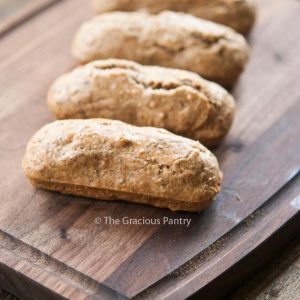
[
  {"x": 195, "y": 278},
  {"x": 26, "y": 13},
  {"x": 252, "y": 262},
  {"x": 18, "y": 278},
  {"x": 25, "y": 271},
  {"x": 21, "y": 286}
]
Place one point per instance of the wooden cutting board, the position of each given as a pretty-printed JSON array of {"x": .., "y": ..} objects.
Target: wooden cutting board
[{"x": 54, "y": 246}]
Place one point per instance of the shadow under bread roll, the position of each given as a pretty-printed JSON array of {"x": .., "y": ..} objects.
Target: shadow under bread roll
[
  {"x": 168, "y": 39},
  {"x": 110, "y": 160},
  {"x": 177, "y": 100},
  {"x": 237, "y": 14}
]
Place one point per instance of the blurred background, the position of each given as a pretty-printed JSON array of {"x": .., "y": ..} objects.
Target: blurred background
[{"x": 9, "y": 7}]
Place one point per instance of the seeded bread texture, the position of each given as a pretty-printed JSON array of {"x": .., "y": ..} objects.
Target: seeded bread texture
[
  {"x": 179, "y": 101},
  {"x": 237, "y": 14},
  {"x": 168, "y": 39},
  {"x": 109, "y": 160}
]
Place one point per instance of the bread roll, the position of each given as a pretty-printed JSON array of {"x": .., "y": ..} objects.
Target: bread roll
[
  {"x": 177, "y": 100},
  {"x": 109, "y": 160},
  {"x": 168, "y": 39},
  {"x": 237, "y": 14}
]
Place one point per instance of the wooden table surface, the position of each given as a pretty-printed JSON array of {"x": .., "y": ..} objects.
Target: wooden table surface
[{"x": 52, "y": 241}]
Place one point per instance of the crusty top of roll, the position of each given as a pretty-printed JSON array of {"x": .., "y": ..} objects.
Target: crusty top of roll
[
  {"x": 177, "y": 100},
  {"x": 237, "y": 14},
  {"x": 168, "y": 39},
  {"x": 106, "y": 154}
]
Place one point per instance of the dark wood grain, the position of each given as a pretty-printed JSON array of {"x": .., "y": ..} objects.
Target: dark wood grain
[
  {"x": 51, "y": 243},
  {"x": 4, "y": 295}
]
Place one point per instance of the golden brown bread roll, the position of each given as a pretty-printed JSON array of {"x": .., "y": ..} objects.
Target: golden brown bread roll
[
  {"x": 237, "y": 14},
  {"x": 168, "y": 39},
  {"x": 108, "y": 160},
  {"x": 177, "y": 100}
]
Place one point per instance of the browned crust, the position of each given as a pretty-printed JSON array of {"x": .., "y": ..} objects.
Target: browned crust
[
  {"x": 168, "y": 39},
  {"x": 176, "y": 100},
  {"x": 109, "y": 159},
  {"x": 239, "y": 15},
  {"x": 109, "y": 195}
]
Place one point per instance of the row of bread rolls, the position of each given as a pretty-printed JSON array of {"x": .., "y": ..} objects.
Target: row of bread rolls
[{"x": 107, "y": 159}]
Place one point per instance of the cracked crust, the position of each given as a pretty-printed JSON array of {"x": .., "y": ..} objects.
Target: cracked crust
[
  {"x": 109, "y": 160},
  {"x": 168, "y": 39},
  {"x": 176, "y": 100},
  {"x": 237, "y": 14}
]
